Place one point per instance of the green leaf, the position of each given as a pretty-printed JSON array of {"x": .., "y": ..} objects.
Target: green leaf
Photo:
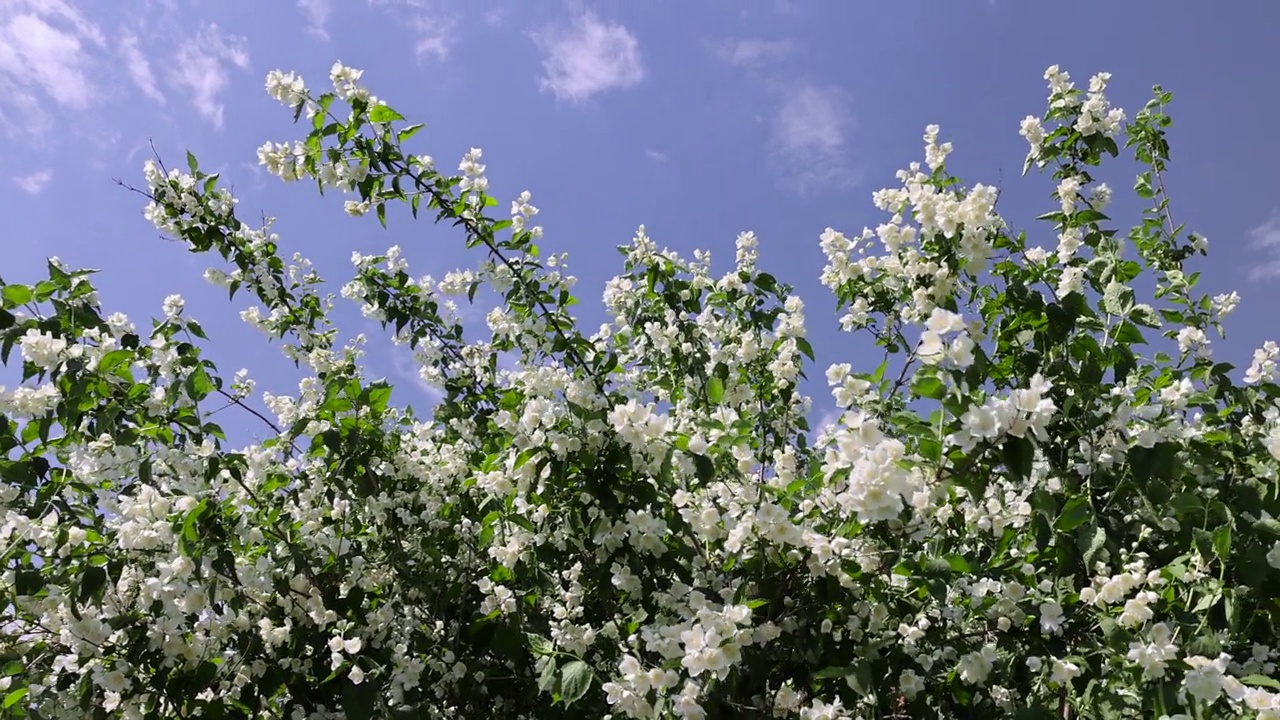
[
  {"x": 379, "y": 396},
  {"x": 91, "y": 581},
  {"x": 1096, "y": 540},
  {"x": 860, "y": 680},
  {"x": 575, "y": 681},
  {"x": 805, "y": 347},
  {"x": 539, "y": 645},
  {"x": 199, "y": 384},
  {"x": 113, "y": 360},
  {"x": 705, "y": 468},
  {"x": 831, "y": 673},
  {"x": 28, "y": 582},
  {"x": 547, "y": 680},
  {"x": 383, "y": 114},
  {"x": 193, "y": 516},
  {"x": 16, "y": 295},
  {"x": 191, "y": 161},
  {"x": 1018, "y": 456},
  {"x": 929, "y": 386},
  {"x": 1222, "y": 542},
  {"x": 15, "y": 697},
  {"x": 359, "y": 702},
  {"x": 715, "y": 390},
  {"x": 1270, "y": 526},
  {"x": 409, "y": 132},
  {"x": 1260, "y": 681},
  {"x": 1075, "y": 514}
]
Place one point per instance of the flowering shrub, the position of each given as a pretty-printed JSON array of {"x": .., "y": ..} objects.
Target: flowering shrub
[{"x": 1018, "y": 514}]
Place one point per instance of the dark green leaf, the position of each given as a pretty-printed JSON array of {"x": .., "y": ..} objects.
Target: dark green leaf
[
  {"x": 359, "y": 702},
  {"x": 1019, "y": 454},
  {"x": 1075, "y": 514},
  {"x": 705, "y": 468},
  {"x": 830, "y": 673},
  {"x": 539, "y": 645},
  {"x": 575, "y": 681},
  {"x": 1222, "y": 542},
  {"x": 193, "y": 516},
  {"x": 91, "y": 581}
]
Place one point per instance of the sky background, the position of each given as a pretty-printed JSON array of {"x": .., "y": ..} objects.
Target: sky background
[{"x": 697, "y": 119}]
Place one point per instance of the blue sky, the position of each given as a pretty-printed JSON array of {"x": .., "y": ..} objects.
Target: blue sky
[{"x": 698, "y": 119}]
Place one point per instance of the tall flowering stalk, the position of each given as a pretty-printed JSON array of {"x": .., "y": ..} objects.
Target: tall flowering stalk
[{"x": 1017, "y": 513}]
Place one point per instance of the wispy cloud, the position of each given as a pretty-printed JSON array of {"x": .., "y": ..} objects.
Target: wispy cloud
[
  {"x": 35, "y": 183},
  {"x": 317, "y": 12},
  {"x": 655, "y": 155},
  {"x": 587, "y": 57},
  {"x": 139, "y": 68},
  {"x": 494, "y": 17},
  {"x": 1266, "y": 238},
  {"x": 44, "y": 51},
  {"x": 435, "y": 28},
  {"x": 809, "y": 142},
  {"x": 200, "y": 68},
  {"x": 754, "y": 53},
  {"x": 435, "y": 36}
]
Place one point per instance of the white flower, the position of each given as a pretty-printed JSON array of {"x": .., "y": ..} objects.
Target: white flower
[
  {"x": 910, "y": 683},
  {"x": 975, "y": 667},
  {"x": 1033, "y": 131},
  {"x": 173, "y": 306},
  {"x": 1193, "y": 340},
  {"x": 1204, "y": 679},
  {"x": 931, "y": 348},
  {"x": 42, "y": 349},
  {"x": 287, "y": 88},
  {"x": 1051, "y": 618},
  {"x": 1100, "y": 197},
  {"x": 1062, "y": 672}
]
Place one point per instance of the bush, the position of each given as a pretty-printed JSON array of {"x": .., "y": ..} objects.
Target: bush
[{"x": 1016, "y": 514}]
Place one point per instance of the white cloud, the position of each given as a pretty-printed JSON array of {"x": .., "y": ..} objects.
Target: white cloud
[
  {"x": 406, "y": 368},
  {"x": 655, "y": 155},
  {"x": 35, "y": 183},
  {"x": 826, "y": 420},
  {"x": 317, "y": 12},
  {"x": 809, "y": 141},
  {"x": 140, "y": 68},
  {"x": 200, "y": 68},
  {"x": 44, "y": 52},
  {"x": 588, "y": 57},
  {"x": 1266, "y": 237},
  {"x": 755, "y": 53}
]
